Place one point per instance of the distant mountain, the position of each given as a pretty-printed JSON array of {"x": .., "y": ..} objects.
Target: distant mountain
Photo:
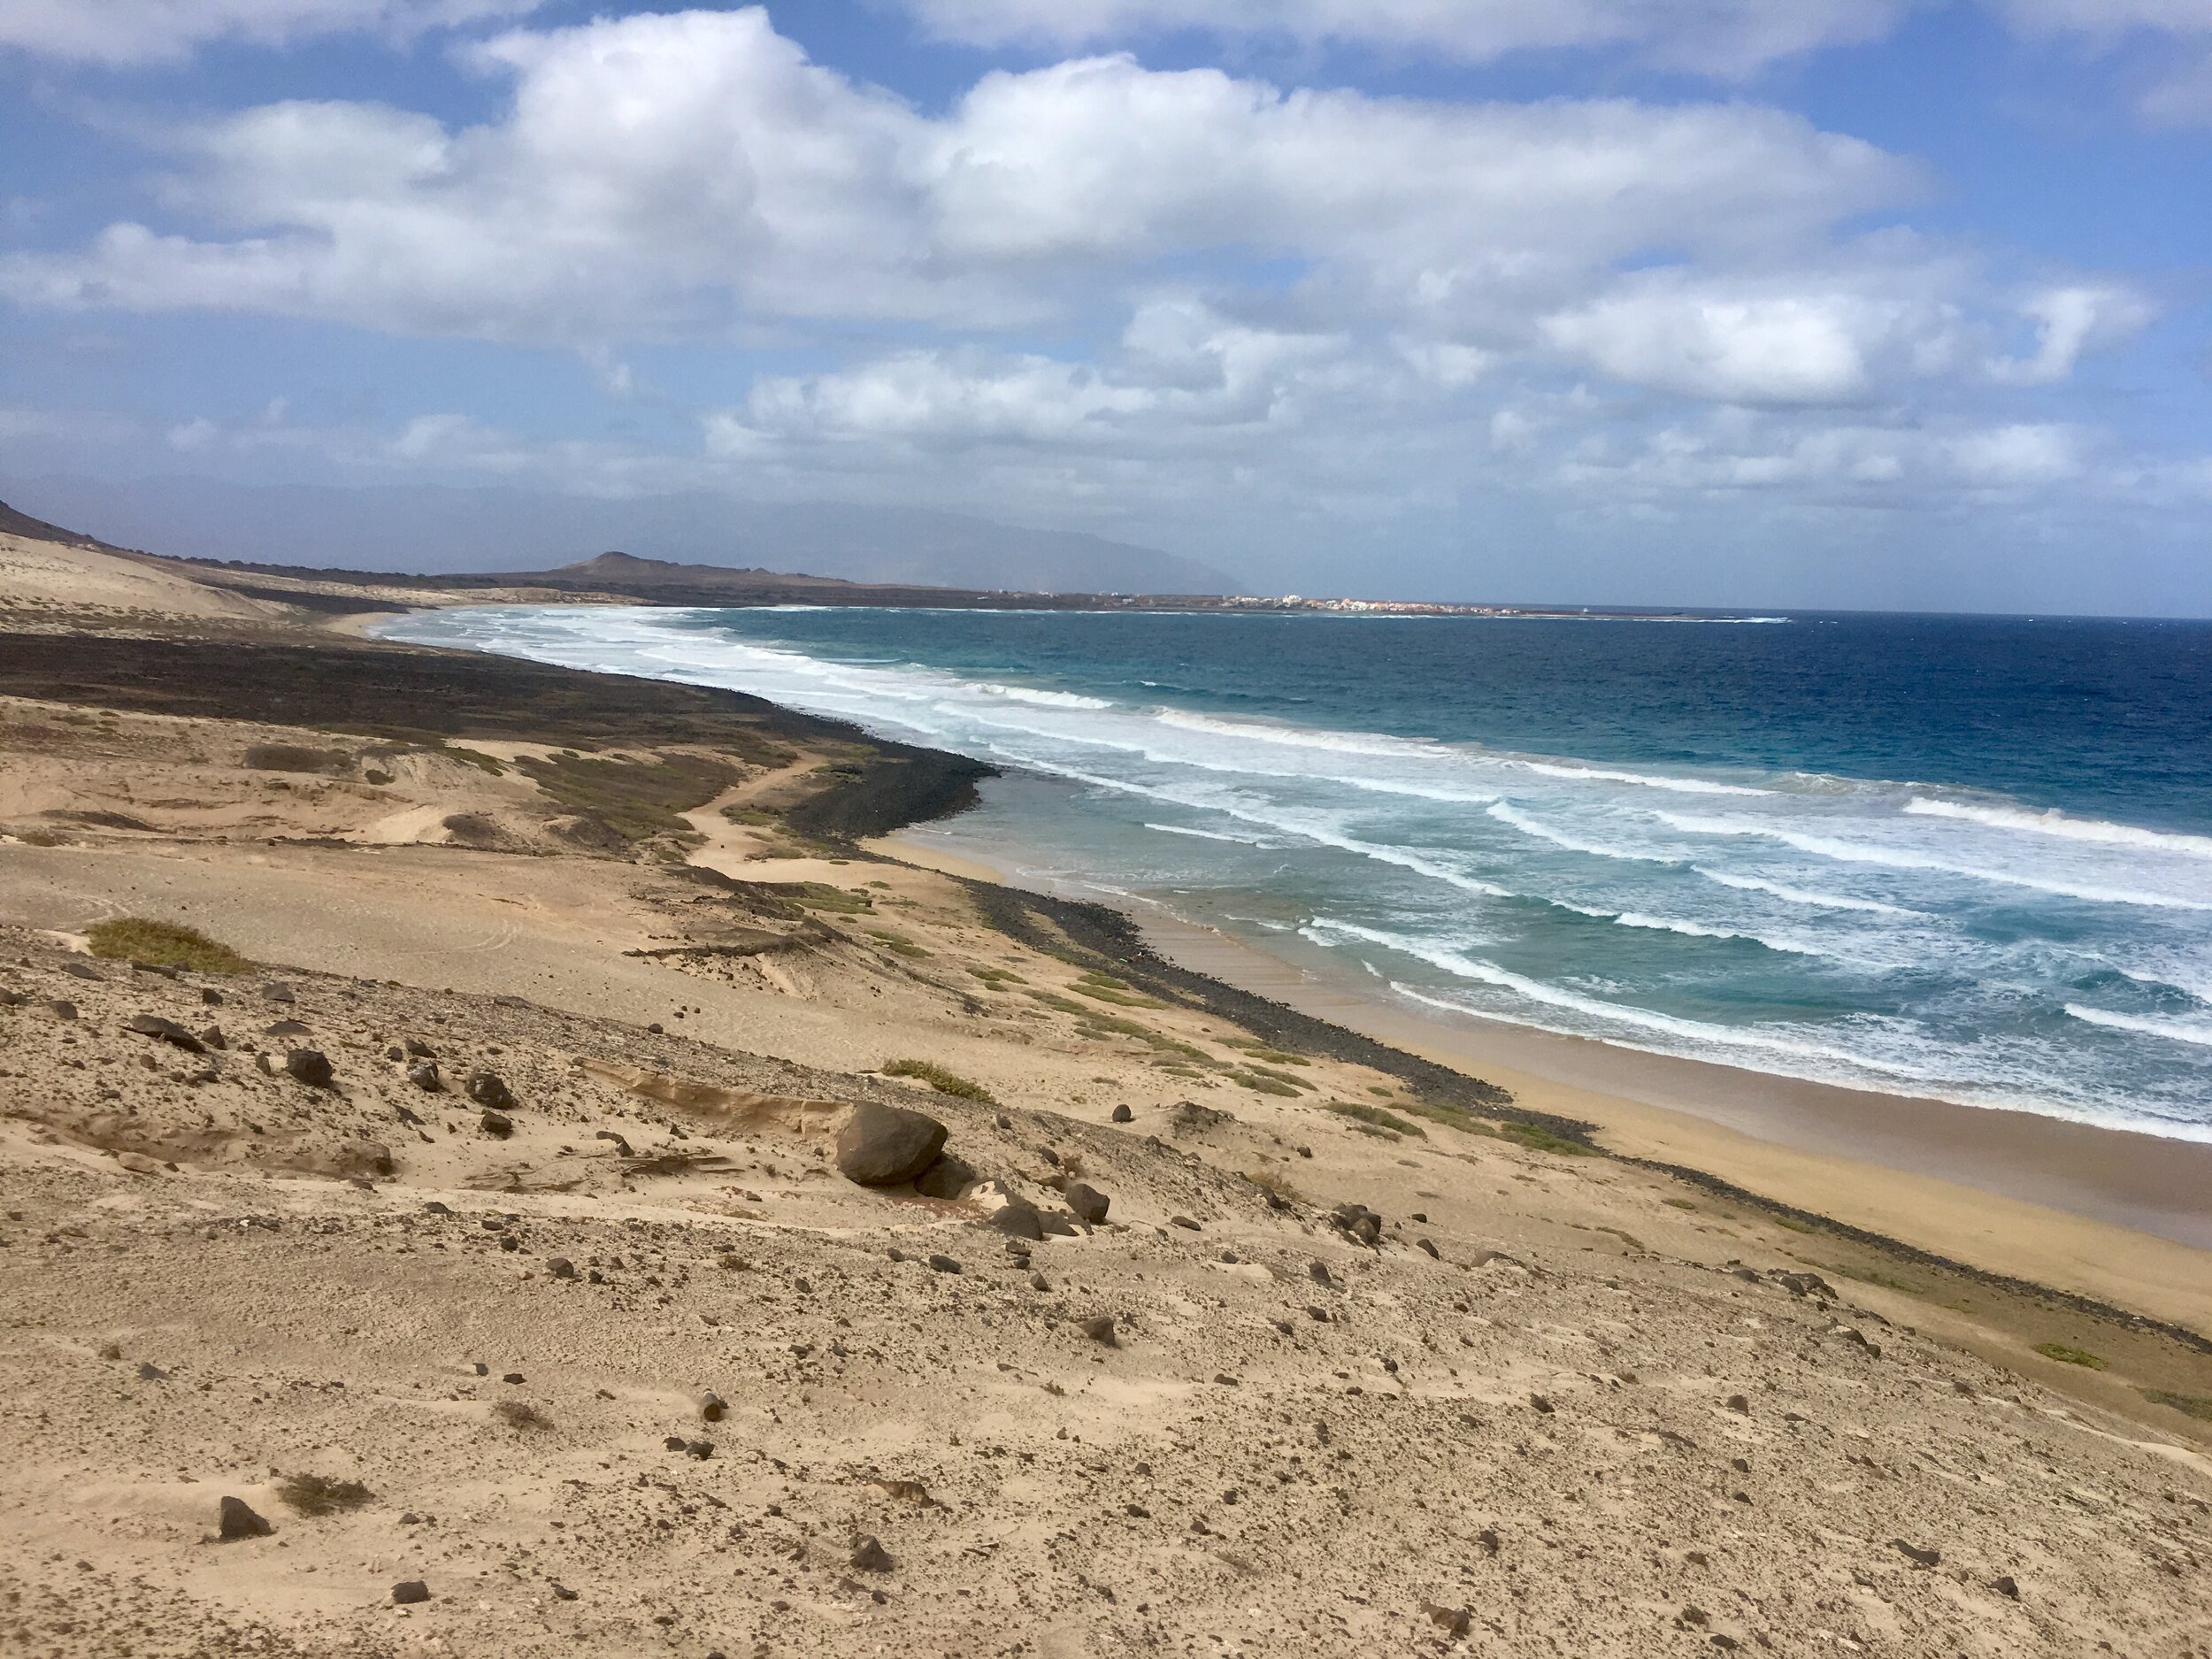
[
  {"x": 436, "y": 529},
  {"x": 14, "y": 523}
]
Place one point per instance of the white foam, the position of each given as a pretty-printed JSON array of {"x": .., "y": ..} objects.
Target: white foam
[
  {"x": 1032, "y": 695},
  {"x": 1802, "y": 895},
  {"x": 1461, "y": 966},
  {"x": 1528, "y": 825},
  {"x": 2056, "y": 823},
  {"x": 1905, "y": 858},
  {"x": 1300, "y": 736},
  {"x": 1204, "y": 835},
  {"x": 2198, "y": 1032},
  {"x": 1644, "y": 781}
]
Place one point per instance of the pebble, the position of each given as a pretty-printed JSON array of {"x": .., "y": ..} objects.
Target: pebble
[
  {"x": 490, "y": 1090},
  {"x": 1100, "y": 1328},
  {"x": 1123, "y": 1115},
  {"x": 407, "y": 1592},
  {"x": 561, "y": 1267},
  {"x": 869, "y": 1556},
  {"x": 944, "y": 1265},
  {"x": 498, "y": 1126}
]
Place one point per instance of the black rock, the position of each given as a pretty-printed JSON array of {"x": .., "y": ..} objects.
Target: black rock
[
  {"x": 1100, "y": 1328},
  {"x": 1319, "y": 1269},
  {"x": 511, "y": 1377},
  {"x": 1737, "y": 1402},
  {"x": 81, "y": 970},
  {"x": 490, "y": 1090},
  {"x": 881, "y": 1146},
  {"x": 417, "y": 1049},
  {"x": 1918, "y": 1557},
  {"x": 310, "y": 1066},
  {"x": 948, "y": 1178},
  {"x": 1018, "y": 1217},
  {"x": 1123, "y": 1115},
  {"x": 409, "y": 1591},
  {"x": 214, "y": 1039},
  {"x": 238, "y": 1520},
  {"x": 1359, "y": 1222},
  {"x": 209, "y": 997},
  {"x": 285, "y": 1028},
  {"x": 869, "y": 1556},
  {"x": 1427, "y": 1246},
  {"x": 944, "y": 1265},
  {"x": 1540, "y": 1404},
  {"x": 2004, "y": 1584},
  {"x": 712, "y": 1406},
  {"x": 561, "y": 1267},
  {"x": 166, "y": 1030},
  {"x": 149, "y": 1372},
  {"x": 394, "y": 1052},
  {"x": 560, "y": 1589},
  {"x": 620, "y": 1145},
  {"x": 63, "y": 1009},
  {"x": 1089, "y": 1204},
  {"x": 1183, "y": 1221},
  {"x": 498, "y": 1126}
]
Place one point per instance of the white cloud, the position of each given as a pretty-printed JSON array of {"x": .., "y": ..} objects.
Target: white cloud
[
  {"x": 2070, "y": 320},
  {"x": 1725, "y": 37},
  {"x": 675, "y": 174},
  {"x": 128, "y": 31}
]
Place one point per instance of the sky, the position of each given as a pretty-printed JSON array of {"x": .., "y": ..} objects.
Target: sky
[{"x": 1862, "y": 303}]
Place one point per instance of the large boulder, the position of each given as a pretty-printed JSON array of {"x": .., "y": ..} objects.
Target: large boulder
[
  {"x": 881, "y": 1146},
  {"x": 1088, "y": 1203}
]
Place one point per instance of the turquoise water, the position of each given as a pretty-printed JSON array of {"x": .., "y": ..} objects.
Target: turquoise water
[{"x": 1962, "y": 857}]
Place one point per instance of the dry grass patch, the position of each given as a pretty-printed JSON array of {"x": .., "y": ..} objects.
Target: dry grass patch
[
  {"x": 943, "y": 1081},
  {"x": 321, "y": 1494}
]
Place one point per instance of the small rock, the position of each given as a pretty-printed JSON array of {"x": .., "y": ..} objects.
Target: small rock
[
  {"x": 1917, "y": 1556},
  {"x": 869, "y": 1556},
  {"x": 490, "y": 1090},
  {"x": 881, "y": 1146},
  {"x": 310, "y": 1066},
  {"x": 1123, "y": 1115},
  {"x": 948, "y": 1178},
  {"x": 166, "y": 1031},
  {"x": 560, "y": 1590},
  {"x": 424, "y": 1075},
  {"x": 699, "y": 1449},
  {"x": 1319, "y": 1316},
  {"x": 1429, "y": 1247},
  {"x": 511, "y": 1377},
  {"x": 111, "y": 1350},
  {"x": 285, "y": 1028},
  {"x": 1319, "y": 1271},
  {"x": 1037, "y": 1281},
  {"x": 409, "y": 1591},
  {"x": 209, "y": 997},
  {"x": 81, "y": 971},
  {"x": 138, "y": 1163},
  {"x": 238, "y": 1520},
  {"x": 1540, "y": 1404},
  {"x": 277, "y": 993},
  {"x": 620, "y": 1145},
  {"x": 1183, "y": 1221},
  {"x": 1089, "y": 1204},
  {"x": 417, "y": 1049},
  {"x": 214, "y": 1039},
  {"x": 1359, "y": 1221},
  {"x": 1737, "y": 1402},
  {"x": 63, "y": 1009},
  {"x": 944, "y": 1265},
  {"x": 712, "y": 1406},
  {"x": 1452, "y": 1621},
  {"x": 656, "y": 1028},
  {"x": 561, "y": 1267},
  {"x": 394, "y": 1052},
  {"x": 2005, "y": 1585},
  {"x": 498, "y": 1126},
  {"x": 1100, "y": 1328},
  {"x": 149, "y": 1372}
]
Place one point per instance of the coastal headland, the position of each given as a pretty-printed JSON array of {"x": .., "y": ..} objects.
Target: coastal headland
[{"x": 432, "y": 1087}]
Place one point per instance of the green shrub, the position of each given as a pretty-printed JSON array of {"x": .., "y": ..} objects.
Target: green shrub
[
  {"x": 943, "y": 1081},
  {"x": 2198, "y": 1406},
  {"x": 163, "y": 944},
  {"x": 1362, "y": 1112},
  {"x": 2066, "y": 1355},
  {"x": 319, "y": 1495}
]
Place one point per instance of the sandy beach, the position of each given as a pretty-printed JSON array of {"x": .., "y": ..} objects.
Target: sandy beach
[{"x": 485, "y": 1204}]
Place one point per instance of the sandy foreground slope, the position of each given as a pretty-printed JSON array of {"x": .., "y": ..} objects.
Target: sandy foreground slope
[{"x": 1545, "y": 1402}]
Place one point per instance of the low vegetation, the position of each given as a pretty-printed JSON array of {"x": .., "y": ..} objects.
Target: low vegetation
[
  {"x": 2065, "y": 1354},
  {"x": 519, "y": 1413},
  {"x": 163, "y": 945},
  {"x": 943, "y": 1081},
  {"x": 637, "y": 798},
  {"x": 1375, "y": 1116},
  {"x": 320, "y": 1495},
  {"x": 2198, "y": 1406},
  {"x": 297, "y": 758},
  {"x": 897, "y": 944}
]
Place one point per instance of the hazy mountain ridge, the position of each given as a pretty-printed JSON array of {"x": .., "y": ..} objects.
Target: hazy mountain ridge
[{"x": 439, "y": 529}]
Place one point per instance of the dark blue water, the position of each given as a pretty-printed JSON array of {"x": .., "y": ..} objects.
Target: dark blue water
[{"x": 1970, "y": 857}]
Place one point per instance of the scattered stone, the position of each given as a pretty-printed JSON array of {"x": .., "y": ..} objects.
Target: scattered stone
[
  {"x": 1037, "y": 1281},
  {"x": 1540, "y": 1403},
  {"x": 275, "y": 992},
  {"x": 1100, "y": 1328},
  {"x": 111, "y": 1350},
  {"x": 149, "y": 1372},
  {"x": 214, "y": 1039},
  {"x": 699, "y": 1449},
  {"x": 238, "y": 1520},
  {"x": 948, "y": 1178},
  {"x": 1428, "y": 1245},
  {"x": 1452, "y": 1621},
  {"x": 63, "y": 1009},
  {"x": 1018, "y": 1217},
  {"x": 1917, "y": 1556},
  {"x": 424, "y": 1075},
  {"x": 1319, "y": 1269},
  {"x": 561, "y": 1267},
  {"x": 166, "y": 1031},
  {"x": 138, "y": 1163},
  {"x": 1806, "y": 1285},
  {"x": 1123, "y": 1115},
  {"x": 560, "y": 1590},
  {"x": 209, "y": 997},
  {"x": 490, "y": 1090},
  {"x": 944, "y": 1265},
  {"x": 620, "y": 1145},
  {"x": 310, "y": 1066},
  {"x": 1421, "y": 1216},
  {"x": 82, "y": 971},
  {"x": 1738, "y": 1404},
  {"x": 869, "y": 1556},
  {"x": 498, "y": 1126},
  {"x": 394, "y": 1052},
  {"x": 1358, "y": 1222},
  {"x": 1089, "y": 1204},
  {"x": 1319, "y": 1316},
  {"x": 1188, "y": 1117},
  {"x": 2005, "y": 1585},
  {"x": 712, "y": 1406},
  {"x": 511, "y": 1377},
  {"x": 285, "y": 1028},
  {"x": 881, "y": 1146},
  {"x": 1183, "y": 1221},
  {"x": 409, "y": 1591}
]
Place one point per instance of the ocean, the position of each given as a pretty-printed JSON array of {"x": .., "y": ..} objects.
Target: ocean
[{"x": 1968, "y": 858}]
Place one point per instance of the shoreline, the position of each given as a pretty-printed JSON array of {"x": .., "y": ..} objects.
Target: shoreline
[{"x": 2079, "y": 1208}]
